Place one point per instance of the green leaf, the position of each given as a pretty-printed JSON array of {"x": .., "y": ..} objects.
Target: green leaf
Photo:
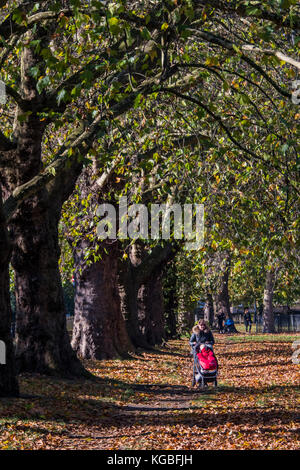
[
  {"x": 43, "y": 83},
  {"x": 114, "y": 25},
  {"x": 35, "y": 72},
  {"x": 138, "y": 100},
  {"x": 61, "y": 96}
]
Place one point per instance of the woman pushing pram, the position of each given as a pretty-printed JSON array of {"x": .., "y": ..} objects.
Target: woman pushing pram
[
  {"x": 205, "y": 362},
  {"x": 202, "y": 335}
]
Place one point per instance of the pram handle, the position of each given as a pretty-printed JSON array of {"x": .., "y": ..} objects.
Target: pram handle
[{"x": 197, "y": 345}]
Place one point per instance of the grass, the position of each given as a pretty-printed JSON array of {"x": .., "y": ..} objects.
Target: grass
[
  {"x": 242, "y": 336},
  {"x": 262, "y": 338}
]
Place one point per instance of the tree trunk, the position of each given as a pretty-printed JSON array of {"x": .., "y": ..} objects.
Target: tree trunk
[
  {"x": 209, "y": 313},
  {"x": 8, "y": 381},
  {"x": 268, "y": 313},
  {"x": 129, "y": 291},
  {"x": 135, "y": 273},
  {"x": 186, "y": 315},
  {"x": 170, "y": 300},
  {"x": 151, "y": 310},
  {"x": 42, "y": 340},
  {"x": 99, "y": 326},
  {"x": 142, "y": 305},
  {"x": 222, "y": 298}
]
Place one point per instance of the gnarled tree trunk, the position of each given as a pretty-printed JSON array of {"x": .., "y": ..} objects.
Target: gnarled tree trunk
[
  {"x": 8, "y": 381},
  {"x": 42, "y": 341},
  {"x": 139, "y": 293},
  {"x": 129, "y": 286},
  {"x": 99, "y": 327},
  {"x": 151, "y": 310}
]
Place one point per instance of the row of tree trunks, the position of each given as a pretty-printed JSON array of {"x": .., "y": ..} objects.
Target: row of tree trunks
[
  {"x": 117, "y": 308},
  {"x": 149, "y": 308},
  {"x": 128, "y": 292},
  {"x": 106, "y": 292},
  {"x": 141, "y": 291},
  {"x": 8, "y": 381}
]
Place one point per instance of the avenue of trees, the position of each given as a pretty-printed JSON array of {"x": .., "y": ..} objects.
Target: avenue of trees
[{"x": 175, "y": 101}]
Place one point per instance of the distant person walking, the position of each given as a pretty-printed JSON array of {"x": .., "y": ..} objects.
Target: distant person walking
[
  {"x": 221, "y": 318},
  {"x": 247, "y": 320}
]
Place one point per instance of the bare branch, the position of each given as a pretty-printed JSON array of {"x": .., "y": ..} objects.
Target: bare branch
[{"x": 278, "y": 54}]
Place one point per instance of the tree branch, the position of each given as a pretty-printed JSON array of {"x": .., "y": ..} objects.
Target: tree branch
[
  {"x": 80, "y": 145},
  {"x": 274, "y": 53},
  {"x": 241, "y": 10},
  {"x": 9, "y": 27},
  {"x": 222, "y": 42},
  {"x": 23, "y": 104},
  {"x": 219, "y": 120}
]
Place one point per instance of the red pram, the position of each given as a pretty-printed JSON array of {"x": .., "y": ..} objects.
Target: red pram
[
  {"x": 205, "y": 366},
  {"x": 207, "y": 359}
]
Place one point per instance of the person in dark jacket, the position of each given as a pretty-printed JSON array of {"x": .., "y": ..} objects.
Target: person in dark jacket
[
  {"x": 202, "y": 335},
  {"x": 221, "y": 318},
  {"x": 247, "y": 320}
]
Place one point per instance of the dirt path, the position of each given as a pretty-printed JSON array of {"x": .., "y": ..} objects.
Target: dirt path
[{"x": 148, "y": 403}]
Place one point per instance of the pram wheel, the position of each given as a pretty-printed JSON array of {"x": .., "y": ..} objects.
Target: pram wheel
[
  {"x": 193, "y": 382},
  {"x": 201, "y": 384}
]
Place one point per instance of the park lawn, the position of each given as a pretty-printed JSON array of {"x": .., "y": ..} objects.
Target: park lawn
[
  {"x": 258, "y": 337},
  {"x": 148, "y": 402}
]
